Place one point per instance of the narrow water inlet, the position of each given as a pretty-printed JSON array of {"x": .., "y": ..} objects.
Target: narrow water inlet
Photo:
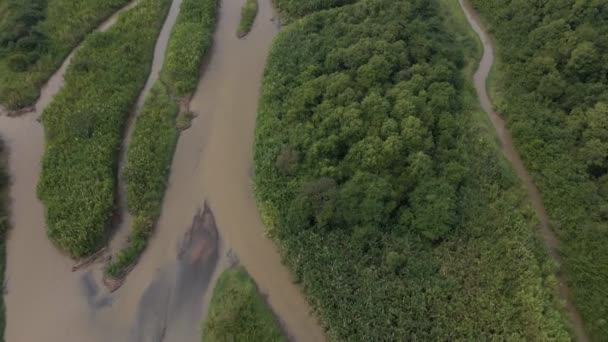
[
  {"x": 121, "y": 232},
  {"x": 508, "y": 148}
]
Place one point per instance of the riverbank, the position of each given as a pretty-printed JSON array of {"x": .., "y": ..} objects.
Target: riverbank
[{"x": 155, "y": 130}]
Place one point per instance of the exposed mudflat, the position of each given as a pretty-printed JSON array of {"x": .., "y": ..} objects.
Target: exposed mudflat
[{"x": 508, "y": 148}]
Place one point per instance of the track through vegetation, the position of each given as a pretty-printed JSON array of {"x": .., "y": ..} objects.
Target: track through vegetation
[{"x": 550, "y": 83}]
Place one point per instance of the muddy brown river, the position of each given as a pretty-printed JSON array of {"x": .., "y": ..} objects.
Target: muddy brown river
[
  {"x": 208, "y": 209},
  {"x": 508, "y": 148}
]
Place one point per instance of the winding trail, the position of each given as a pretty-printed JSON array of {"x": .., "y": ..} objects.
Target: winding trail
[{"x": 508, "y": 148}]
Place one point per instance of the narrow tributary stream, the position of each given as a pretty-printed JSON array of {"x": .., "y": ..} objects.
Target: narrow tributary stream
[
  {"x": 124, "y": 217},
  {"x": 208, "y": 208},
  {"x": 508, "y": 148}
]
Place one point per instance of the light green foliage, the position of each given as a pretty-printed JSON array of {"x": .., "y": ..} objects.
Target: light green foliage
[
  {"x": 35, "y": 37},
  {"x": 551, "y": 85},
  {"x": 151, "y": 148},
  {"x": 190, "y": 39},
  {"x": 238, "y": 313},
  {"x": 84, "y": 125},
  {"x": 248, "y": 13},
  {"x": 383, "y": 189}
]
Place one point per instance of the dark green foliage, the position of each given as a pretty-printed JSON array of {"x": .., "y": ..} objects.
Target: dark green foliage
[
  {"x": 293, "y": 9},
  {"x": 552, "y": 86},
  {"x": 35, "y": 37},
  {"x": 376, "y": 175},
  {"x": 248, "y": 13},
  {"x": 151, "y": 148},
  {"x": 84, "y": 126},
  {"x": 238, "y": 313},
  {"x": 190, "y": 39}
]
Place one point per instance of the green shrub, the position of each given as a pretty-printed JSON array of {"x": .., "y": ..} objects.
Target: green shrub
[
  {"x": 238, "y": 313},
  {"x": 84, "y": 125},
  {"x": 550, "y": 84},
  {"x": 248, "y": 13},
  {"x": 389, "y": 199}
]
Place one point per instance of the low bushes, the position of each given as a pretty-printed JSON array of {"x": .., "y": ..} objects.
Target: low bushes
[
  {"x": 36, "y": 36},
  {"x": 151, "y": 148},
  {"x": 238, "y": 313},
  {"x": 379, "y": 178},
  {"x": 248, "y": 13},
  {"x": 84, "y": 126}
]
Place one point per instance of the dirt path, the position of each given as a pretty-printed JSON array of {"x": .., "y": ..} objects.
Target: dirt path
[{"x": 508, "y": 148}]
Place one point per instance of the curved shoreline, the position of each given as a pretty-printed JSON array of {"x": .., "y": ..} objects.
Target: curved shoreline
[{"x": 547, "y": 235}]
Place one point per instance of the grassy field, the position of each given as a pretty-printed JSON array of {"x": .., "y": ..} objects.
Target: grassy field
[
  {"x": 238, "y": 313},
  {"x": 549, "y": 82},
  {"x": 36, "y": 36},
  {"x": 84, "y": 128},
  {"x": 151, "y": 148},
  {"x": 382, "y": 182}
]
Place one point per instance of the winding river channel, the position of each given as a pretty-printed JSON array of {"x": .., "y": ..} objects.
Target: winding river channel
[
  {"x": 547, "y": 235},
  {"x": 208, "y": 210}
]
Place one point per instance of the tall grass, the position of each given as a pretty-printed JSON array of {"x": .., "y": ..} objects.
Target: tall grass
[
  {"x": 84, "y": 127},
  {"x": 238, "y": 313},
  {"x": 151, "y": 148},
  {"x": 248, "y": 14}
]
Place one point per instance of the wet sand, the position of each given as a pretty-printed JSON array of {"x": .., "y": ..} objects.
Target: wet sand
[{"x": 508, "y": 148}]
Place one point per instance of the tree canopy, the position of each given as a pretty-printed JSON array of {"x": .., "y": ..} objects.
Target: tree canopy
[{"x": 390, "y": 205}]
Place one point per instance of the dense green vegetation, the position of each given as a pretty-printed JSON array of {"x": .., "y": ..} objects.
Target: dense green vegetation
[
  {"x": 84, "y": 127},
  {"x": 4, "y": 225},
  {"x": 238, "y": 313},
  {"x": 151, "y": 148},
  {"x": 378, "y": 176},
  {"x": 551, "y": 85},
  {"x": 36, "y": 36},
  {"x": 190, "y": 39},
  {"x": 248, "y": 13},
  {"x": 293, "y": 9}
]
